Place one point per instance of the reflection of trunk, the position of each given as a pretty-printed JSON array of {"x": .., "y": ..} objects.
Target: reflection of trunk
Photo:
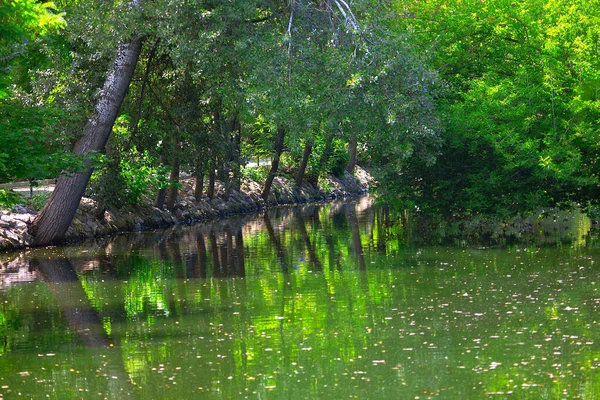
[
  {"x": 179, "y": 274},
  {"x": 279, "y": 140},
  {"x": 199, "y": 186},
  {"x": 312, "y": 255},
  {"x": 352, "y": 153},
  {"x": 51, "y": 224},
  {"x": 240, "y": 269},
  {"x": 201, "y": 273},
  {"x": 356, "y": 242},
  {"x": 303, "y": 163},
  {"x": 333, "y": 257},
  {"x": 174, "y": 177},
  {"x": 214, "y": 249},
  {"x": 280, "y": 251},
  {"x": 162, "y": 248},
  {"x": 382, "y": 221},
  {"x": 231, "y": 267},
  {"x": 63, "y": 282}
]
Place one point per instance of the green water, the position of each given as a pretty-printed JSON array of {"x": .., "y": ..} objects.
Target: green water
[{"x": 319, "y": 302}]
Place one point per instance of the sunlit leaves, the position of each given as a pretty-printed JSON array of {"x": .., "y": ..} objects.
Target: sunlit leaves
[{"x": 523, "y": 83}]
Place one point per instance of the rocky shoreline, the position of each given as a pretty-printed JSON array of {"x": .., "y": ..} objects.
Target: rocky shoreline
[{"x": 87, "y": 223}]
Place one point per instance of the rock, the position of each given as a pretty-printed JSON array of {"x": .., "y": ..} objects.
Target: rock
[{"x": 13, "y": 226}]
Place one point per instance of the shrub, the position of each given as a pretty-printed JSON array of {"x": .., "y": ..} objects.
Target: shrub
[{"x": 9, "y": 198}]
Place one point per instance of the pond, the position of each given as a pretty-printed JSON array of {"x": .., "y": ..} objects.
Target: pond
[{"x": 319, "y": 301}]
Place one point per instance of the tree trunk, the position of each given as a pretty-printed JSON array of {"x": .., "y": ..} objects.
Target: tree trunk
[
  {"x": 224, "y": 178},
  {"x": 174, "y": 177},
  {"x": 138, "y": 115},
  {"x": 326, "y": 153},
  {"x": 303, "y": 163},
  {"x": 199, "y": 186},
  {"x": 160, "y": 198},
  {"x": 237, "y": 154},
  {"x": 352, "y": 153},
  {"x": 211, "y": 180},
  {"x": 52, "y": 222},
  {"x": 275, "y": 163}
]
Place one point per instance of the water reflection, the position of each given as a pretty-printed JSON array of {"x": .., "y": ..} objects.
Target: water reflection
[{"x": 321, "y": 301}]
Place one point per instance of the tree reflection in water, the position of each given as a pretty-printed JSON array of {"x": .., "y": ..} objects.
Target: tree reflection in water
[{"x": 322, "y": 301}]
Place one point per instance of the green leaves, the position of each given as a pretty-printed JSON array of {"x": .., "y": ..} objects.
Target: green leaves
[{"x": 521, "y": 112}]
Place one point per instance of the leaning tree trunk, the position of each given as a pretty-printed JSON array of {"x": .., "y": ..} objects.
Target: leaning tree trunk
[
  {"x": 303, "y": 163},
  {"x": 275, "y": 163},
  {"x": 52, "y": 222}
]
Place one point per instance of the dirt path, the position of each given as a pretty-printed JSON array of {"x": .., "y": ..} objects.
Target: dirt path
[{"x": 25, "y": 190}]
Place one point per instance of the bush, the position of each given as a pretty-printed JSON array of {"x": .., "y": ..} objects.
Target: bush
[
  {"x": 338, "y": 159},
  {"x": 9, "y": 198},
  {"x": 126, "y": 181},
  {"x": 39, "y": 200},
  {"x": 256, "y": 174}
]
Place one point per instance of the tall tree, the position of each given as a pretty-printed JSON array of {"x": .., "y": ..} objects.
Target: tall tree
[{"x": 51, "y": 224}]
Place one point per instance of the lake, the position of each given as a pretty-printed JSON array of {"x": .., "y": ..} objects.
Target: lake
[{"x": 329, "y": 301}]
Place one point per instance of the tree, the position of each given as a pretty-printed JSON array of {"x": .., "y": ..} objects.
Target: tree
[
  {"x": 31, "y": 146},
  {"x": 521, "y": 113},
  {"x": 51, "y": 224}
]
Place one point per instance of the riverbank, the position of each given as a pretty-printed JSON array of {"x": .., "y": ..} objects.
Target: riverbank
[{"x": 88, "y": 223}]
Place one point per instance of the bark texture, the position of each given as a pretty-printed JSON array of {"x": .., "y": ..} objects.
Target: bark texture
[
  {"x": 199, "y": 186},
  {"x": 303, "y": 163},
  {"x": 174, "y": 176},
  {"x": 352, "y": 147},
  {"x": 275, "y": 163},
  {"x": 52, "y": 222}
]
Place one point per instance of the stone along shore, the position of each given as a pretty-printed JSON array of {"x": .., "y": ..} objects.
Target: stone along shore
[{"x": 88, "y": 223}]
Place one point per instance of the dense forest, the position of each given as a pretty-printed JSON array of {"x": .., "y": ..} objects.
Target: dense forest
[{"x": 457, "y": 107}]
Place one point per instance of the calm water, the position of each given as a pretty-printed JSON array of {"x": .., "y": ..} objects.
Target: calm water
[{"x": 302, "y": 303}]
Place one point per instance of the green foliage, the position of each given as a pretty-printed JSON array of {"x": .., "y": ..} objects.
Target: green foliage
[
  {"x": 39, "y": 200},
  {"x": 336, "y": 164},
  {"x": 126, "y": 182},
  {"x": 323, "y": 184},
  {"x": 22, "y": 22},
  {"x": 141, "y": 176},
  {"x": 521, "y": 110},
  {"x": 31, "y": 147},
  {"x": 9, "y": 198},
  {"x": 256, "y": 174}
]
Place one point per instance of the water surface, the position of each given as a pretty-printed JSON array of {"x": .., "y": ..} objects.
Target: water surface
[{"x": 329, "y": 301}]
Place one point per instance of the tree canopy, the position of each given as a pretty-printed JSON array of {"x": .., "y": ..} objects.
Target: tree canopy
[{"x": 458, "y": 107}]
